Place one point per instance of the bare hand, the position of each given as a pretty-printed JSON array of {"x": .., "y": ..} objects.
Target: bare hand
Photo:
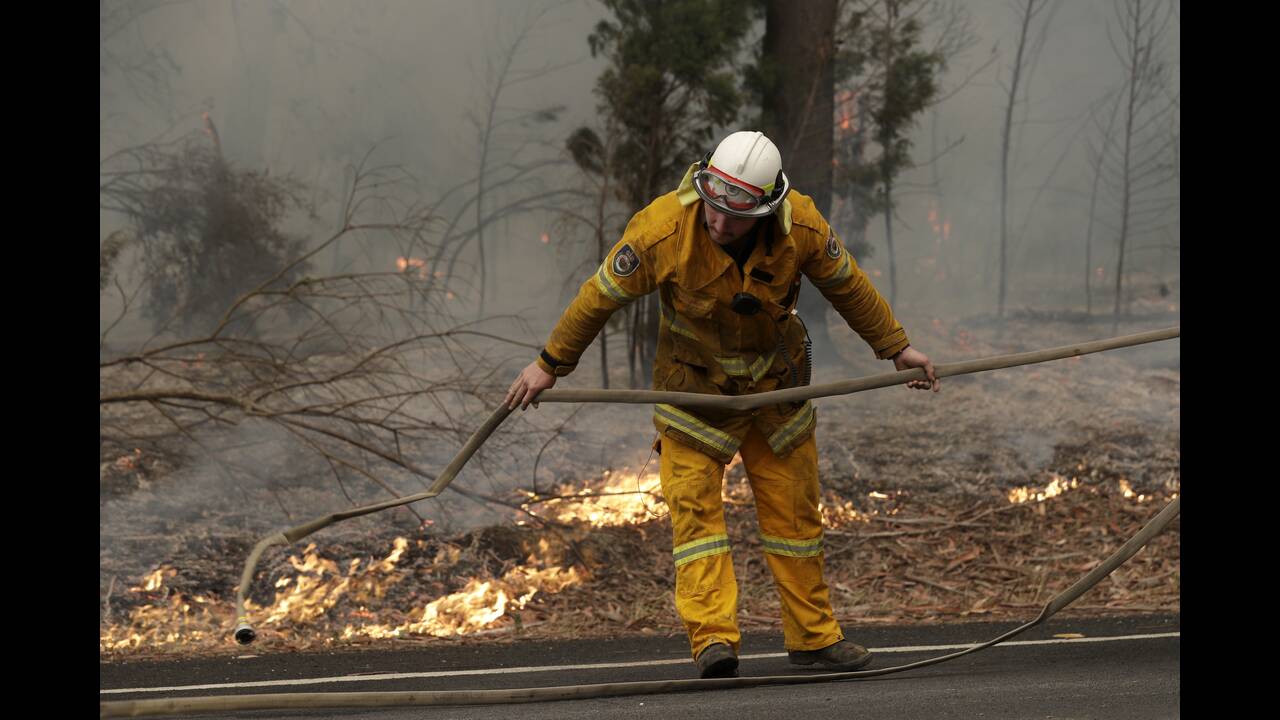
[
  {"x": 913, "y": 358},
  {"x": 531, "y": 381}
]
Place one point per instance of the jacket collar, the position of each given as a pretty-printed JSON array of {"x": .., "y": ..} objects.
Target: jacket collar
[{"x": 700, "y": 260}]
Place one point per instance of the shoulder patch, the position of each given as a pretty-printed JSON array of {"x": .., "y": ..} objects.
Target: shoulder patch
[
  {"x": 833, "y": 245},
  {"x": 625, "y": 261},
  {"x": 803, "y": 213},
  {"x": 653, "y": 224}
]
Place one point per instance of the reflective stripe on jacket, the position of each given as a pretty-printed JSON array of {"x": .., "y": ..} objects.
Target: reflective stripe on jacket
[{"x": 703, "y": 345}]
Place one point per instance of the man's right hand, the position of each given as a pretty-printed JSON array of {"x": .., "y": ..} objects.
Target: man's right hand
[{"x": 531, "y": 381}]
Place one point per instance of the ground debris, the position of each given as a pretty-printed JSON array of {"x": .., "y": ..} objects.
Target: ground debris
[
  {"x": 944, "y": 559},
  {"x": 984, "y": 506}
]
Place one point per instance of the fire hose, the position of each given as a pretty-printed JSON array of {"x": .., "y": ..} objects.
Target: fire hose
[{"x": 245, "y": 634}]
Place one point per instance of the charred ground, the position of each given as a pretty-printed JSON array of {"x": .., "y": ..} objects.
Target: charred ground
[{"x": 979, "y": 503}]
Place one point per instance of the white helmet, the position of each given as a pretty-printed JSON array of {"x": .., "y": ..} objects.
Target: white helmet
[{"x": 743, "y": 177}]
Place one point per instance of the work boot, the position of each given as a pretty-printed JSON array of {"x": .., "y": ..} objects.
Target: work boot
[
  {"x": 843, "y": 655},
  {"x": 717, "y": 661}
]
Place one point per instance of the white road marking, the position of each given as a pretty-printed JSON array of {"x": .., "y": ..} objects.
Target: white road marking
[{"x": 601, "y": 666}]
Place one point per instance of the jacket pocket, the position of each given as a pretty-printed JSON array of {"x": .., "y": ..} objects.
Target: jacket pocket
[{"x": 692, "y": 304}]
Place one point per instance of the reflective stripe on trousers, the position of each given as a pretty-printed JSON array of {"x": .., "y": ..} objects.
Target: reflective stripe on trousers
[{"x": 786, "y": 492}]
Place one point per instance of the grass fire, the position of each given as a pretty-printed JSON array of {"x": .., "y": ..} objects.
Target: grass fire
[
  {"x": 893, "y": 556},
  {"x": 1027, "y": 477}
]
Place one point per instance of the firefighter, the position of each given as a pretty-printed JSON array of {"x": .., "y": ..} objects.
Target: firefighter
[{"x": 725, "y": 252}]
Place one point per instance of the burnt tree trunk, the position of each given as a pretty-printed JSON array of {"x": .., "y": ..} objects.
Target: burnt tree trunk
[
  {"x": 887, "y": 178},
  {"x": 798, "y": 111},
  {"x": 1005, "y": 135},
  {"x": 1093, "y": 202}
]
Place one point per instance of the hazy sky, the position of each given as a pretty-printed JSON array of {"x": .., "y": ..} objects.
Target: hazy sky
[{"x": 307, "y": 87}]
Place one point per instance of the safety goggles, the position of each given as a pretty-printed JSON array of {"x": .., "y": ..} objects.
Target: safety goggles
[
  {"x": 735, "y": 197},
  {"x": 727, "y": 194}
]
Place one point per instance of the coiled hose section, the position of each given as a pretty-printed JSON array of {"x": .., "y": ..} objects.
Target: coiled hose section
[
  {"x": 798, "y": 379},
  {"x": 244, "y": 632}
]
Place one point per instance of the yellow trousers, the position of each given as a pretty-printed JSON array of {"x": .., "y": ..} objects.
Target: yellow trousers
[{"x": 786, "y": 497}]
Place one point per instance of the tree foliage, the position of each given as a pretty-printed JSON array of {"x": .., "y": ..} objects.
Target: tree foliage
[
  {"x": 209, "y": 232},
  {"x": 881, "y": 61},
  {"x": 364, "y": 375},
  {"x": 886, "y": 75},
  {"x": 794, "y": 82},
  {"x": 1140, "y": 167},
  {"x": 670, "y": 85},
  {"x": 587, "y": 150},
  {"x": 1027, "y": 49}
]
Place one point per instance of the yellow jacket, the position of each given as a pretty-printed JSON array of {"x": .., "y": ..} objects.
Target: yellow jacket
[{"x": 703, "y": 345}]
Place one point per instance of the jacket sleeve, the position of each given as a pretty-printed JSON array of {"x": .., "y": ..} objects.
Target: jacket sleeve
[
  {"x": 831, "y": 269},
  {"x": 626, "y": 275}
]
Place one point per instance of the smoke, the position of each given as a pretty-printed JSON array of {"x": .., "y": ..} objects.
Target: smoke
[
  {"x": 308, "y": 89},
  {"x": 315, "y": 90},
  {"x": 312, "y": 90},
  {"x": 1050, "y": 173}
]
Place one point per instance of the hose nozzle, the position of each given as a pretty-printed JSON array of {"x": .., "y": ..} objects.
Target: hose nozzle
[{"x": 245, "y": 633}]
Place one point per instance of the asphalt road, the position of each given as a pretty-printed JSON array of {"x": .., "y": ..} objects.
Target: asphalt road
[{"x": 1122, "y": 668}]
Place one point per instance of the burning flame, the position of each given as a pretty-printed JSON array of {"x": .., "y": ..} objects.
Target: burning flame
[
  {"x": 167, "y": 622},
  {"x": 1056, "y": 487},
  {"x": 169, "y": 619},
  {"x": 846, "y": 105},
  {"x": 1127, "y": 490},
  {"x": 837, "y": 513},
  {"x": 481, "y": 603},
  {"x": 617, "y": 498},
  {"x": 477, "y": 606},
  {"x": 941, "y": 226},
  {"x": 310, "y": 595},
  {"x": 409, "y": 264},
  {"x": 624, "y": 497},
  {"x": 545, "y": 238},
  {"x": 129, "y": 462},
  {"x": 155, "y": 579},
  {"x": 1059, "y": 485}
]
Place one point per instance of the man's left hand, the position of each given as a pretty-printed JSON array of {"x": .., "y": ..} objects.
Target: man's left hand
[{"x": 913, "y": 358}]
